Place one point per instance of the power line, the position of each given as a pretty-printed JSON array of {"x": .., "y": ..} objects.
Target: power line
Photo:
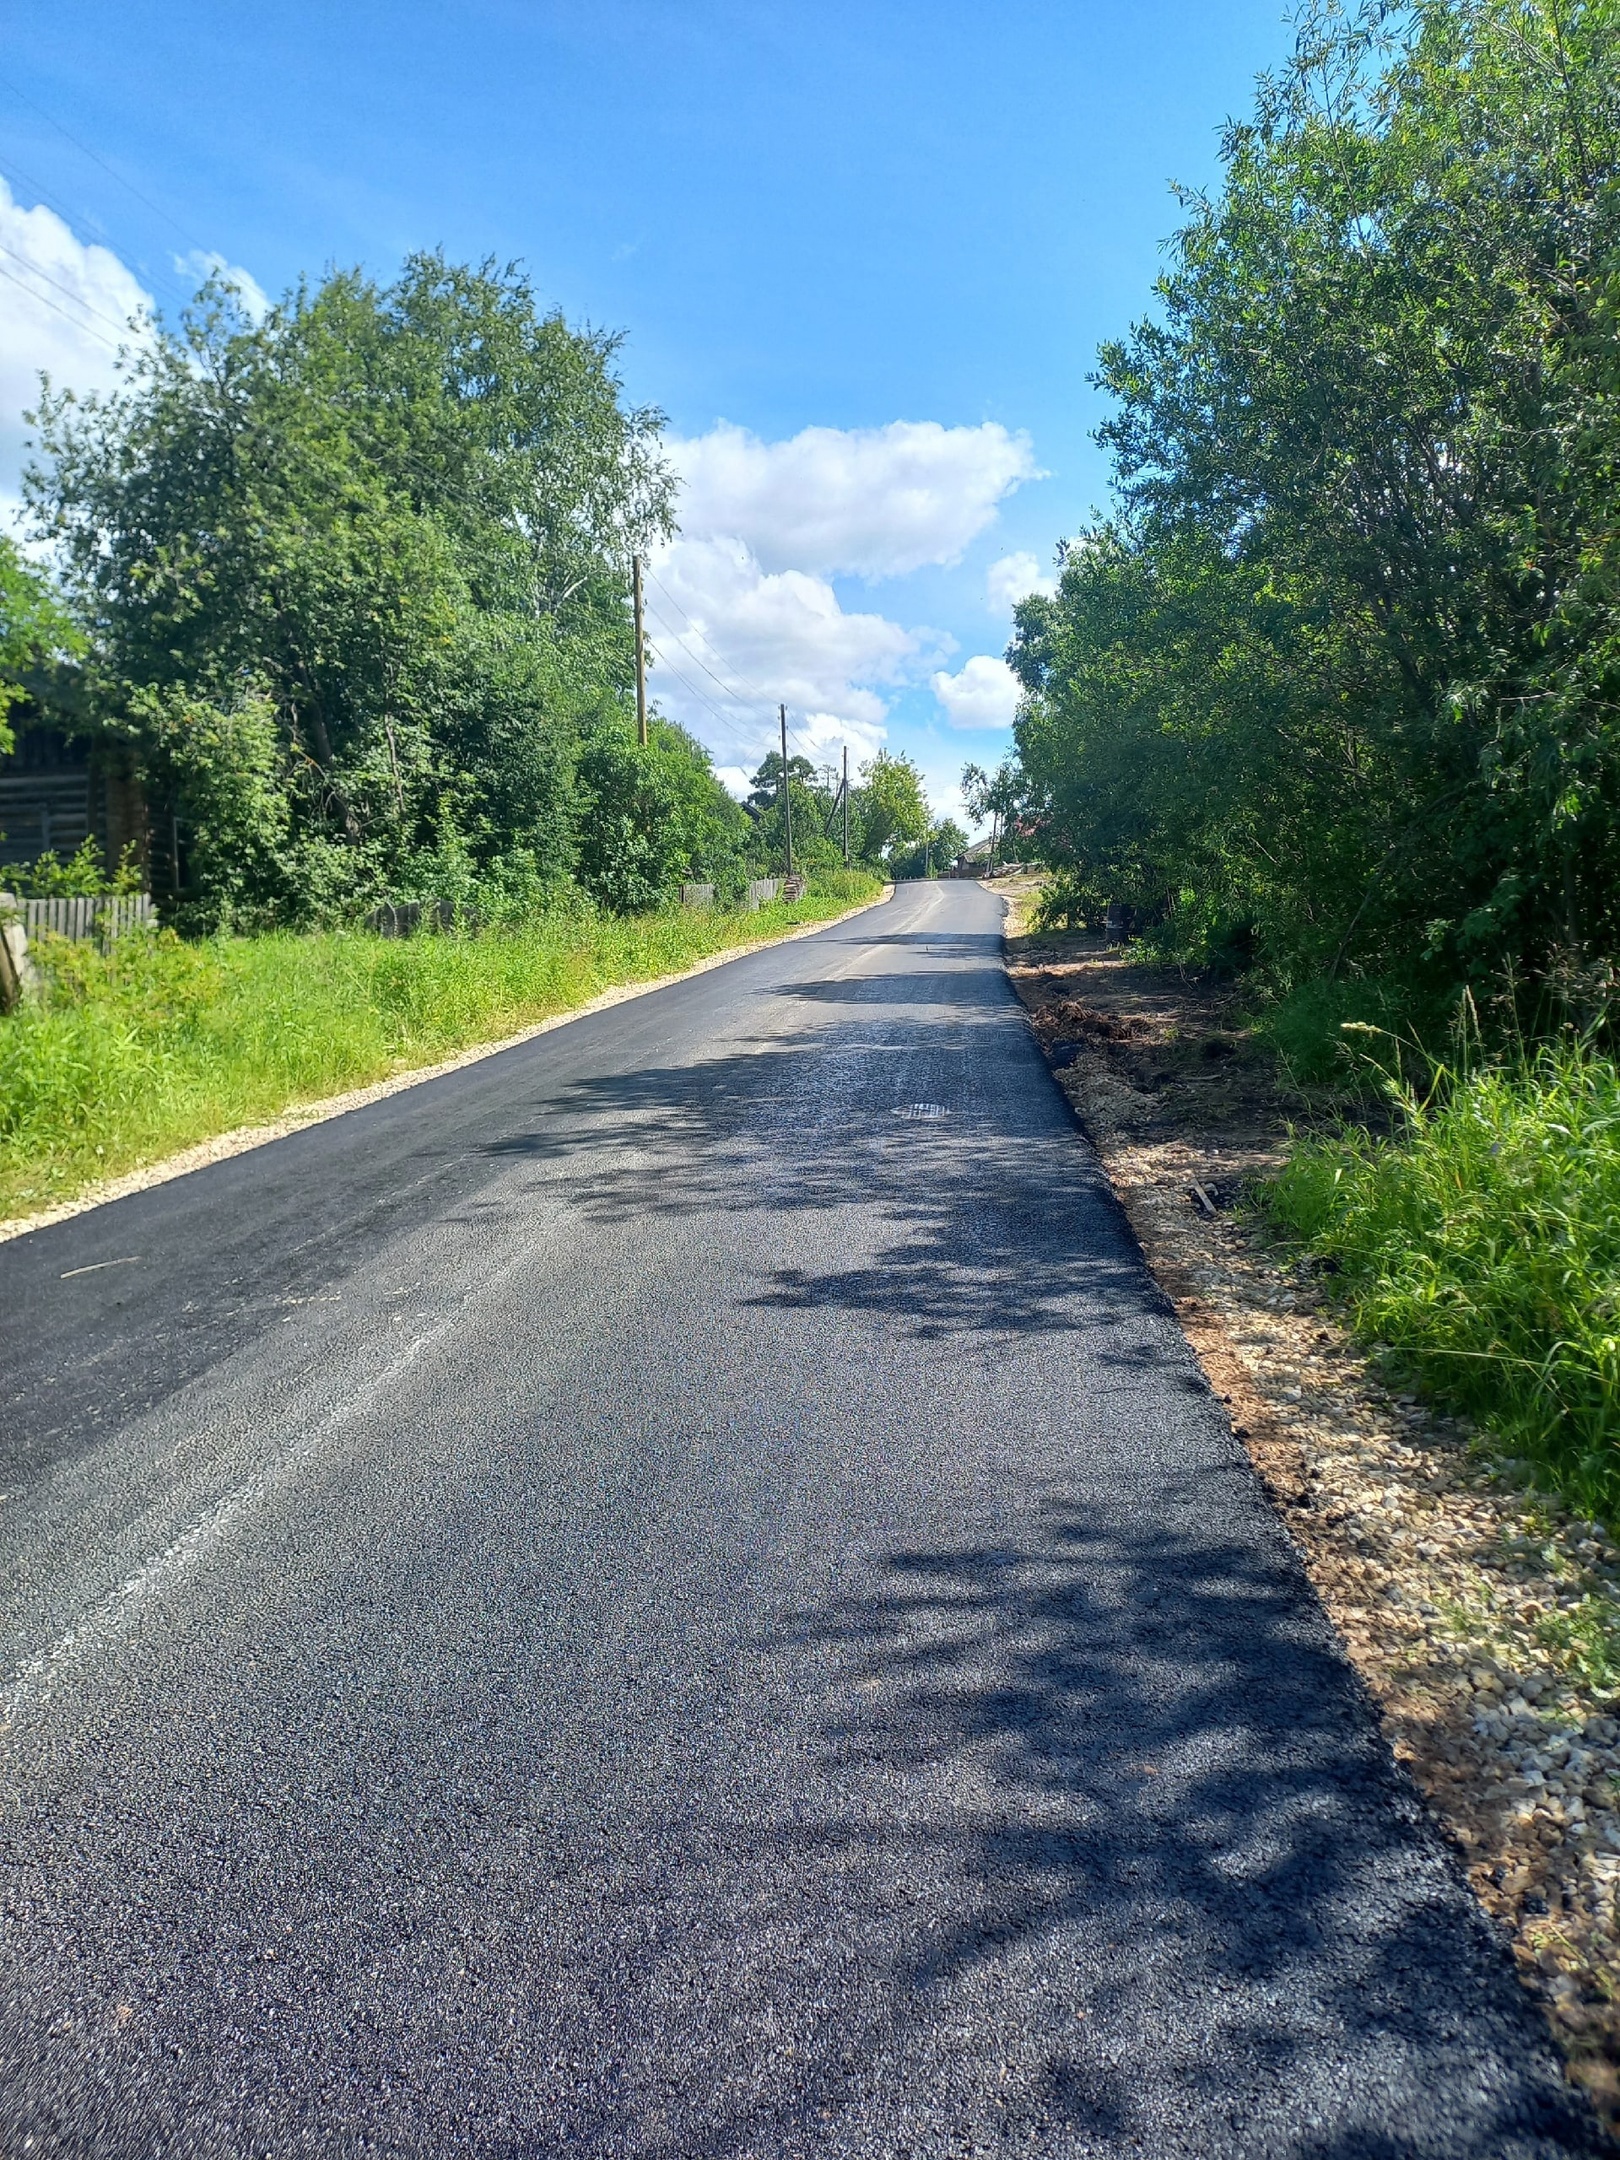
[
  {"x": 74, "y": 219},
  {"x": 45, "y": 300},
  {"x": 753, "y": 687},
  {"x": 806, "y": 749},
  {"x": 96, "y": 158},
  {"x": 739, "y": 734},
  {"x": 725, "y": 720},
  {"x": 697, "y": 660},
  {"x": 76, "y": 298}
]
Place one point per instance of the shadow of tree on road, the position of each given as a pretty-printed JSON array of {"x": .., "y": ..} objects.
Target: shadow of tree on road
[
  {"x": 1138, "y": 1800},
  {"x": 965, "y": 1208}
]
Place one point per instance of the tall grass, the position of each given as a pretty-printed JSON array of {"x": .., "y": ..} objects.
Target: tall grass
[
  {"x": 129, "y": 1056},
  {"x": 1481, "y": 1243}
]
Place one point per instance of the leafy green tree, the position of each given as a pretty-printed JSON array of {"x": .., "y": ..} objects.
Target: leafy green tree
[
  {"x": 892, "y": 805},
  {"x": 1336, "y": 682},
  {"x": 35, "y": 630},
  {"x": 653, "y": 817},
  {"x": 932, "y": 854},
  {"x": 814, "y": 844},
  {"x": 398, "y": 520},
  {"x": 994, "y": 796}
]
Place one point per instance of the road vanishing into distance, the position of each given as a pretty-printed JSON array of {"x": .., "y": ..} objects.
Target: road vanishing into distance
[{"x": 678, "y": 1591}]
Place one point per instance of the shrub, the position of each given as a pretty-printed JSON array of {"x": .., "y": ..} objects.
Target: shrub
[{"x": 1482, "y": 1245}]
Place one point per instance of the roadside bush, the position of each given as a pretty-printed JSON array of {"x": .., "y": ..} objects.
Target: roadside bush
[{"x": 1482, "y": 1245}]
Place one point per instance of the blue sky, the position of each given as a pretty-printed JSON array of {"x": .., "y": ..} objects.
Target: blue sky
[{"x": 862, "y": 257}]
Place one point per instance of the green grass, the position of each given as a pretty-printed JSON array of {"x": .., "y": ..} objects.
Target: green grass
[
  {"x": 129, "y": 1057},
  {"x": 1481, "y": 1244}
]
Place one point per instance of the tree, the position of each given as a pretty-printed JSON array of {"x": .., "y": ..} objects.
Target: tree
[
  {"x": 934, "y": 852},
  {"x": 812, "y": 803},
  {"x": 1336, "y": 683},
  {"x": 994, "y": 796},
  {"x": 35, "y": 630},
  {"x": 891, "y": 804},
  {"x": 652, "y": 817},
  {"x": 397, "y": 518}
]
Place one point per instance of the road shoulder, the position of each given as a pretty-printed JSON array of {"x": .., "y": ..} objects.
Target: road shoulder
[{"x": 1484, "y": 1619}]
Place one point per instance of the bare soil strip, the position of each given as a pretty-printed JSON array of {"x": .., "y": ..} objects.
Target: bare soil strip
[{"x": 1484, "y": 1619}]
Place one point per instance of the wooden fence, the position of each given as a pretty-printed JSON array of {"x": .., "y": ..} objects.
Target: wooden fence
[
  {"x": 406, "y": 918},
  {"x": 102, "y": 916}
]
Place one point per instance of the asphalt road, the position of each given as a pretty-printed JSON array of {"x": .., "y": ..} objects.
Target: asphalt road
[{"x": 678, "y": 1592}]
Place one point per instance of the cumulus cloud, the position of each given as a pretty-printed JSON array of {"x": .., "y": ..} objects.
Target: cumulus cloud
[
  {"x": 204, "y": 263},
  {"x": 862, "y": 502},
  {"x": 743, "y": 609},
  {"x": 731, "y": 640},
  {"x": 67, "y": 308},
  {"x": 982, "y": 694},
  {"x": 1013, "y": 578}
]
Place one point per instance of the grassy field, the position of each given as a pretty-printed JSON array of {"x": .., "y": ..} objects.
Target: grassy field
[
  {"x": 129, "y": 1057},
  {"x": 1481, "y": 1243}
]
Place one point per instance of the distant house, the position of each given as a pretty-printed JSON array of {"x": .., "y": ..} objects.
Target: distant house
[{"x": 58, "y": 790}]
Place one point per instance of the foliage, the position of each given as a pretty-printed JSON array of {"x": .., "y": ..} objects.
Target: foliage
[
  {"x": 1336, "y": 684},
  {"x": 355, "y": 578},
  {"x": 161, "y": 1042},
  {"x": 1482, "y": 1244},
  {"x": 892, "y": 806},
  {"x": 817, "y": 810},
  {"x": 652, "y": 817},
  {"x": 934, "y": 852},
  {"x": 996, "y": 796},
  {"x": 35, "y": 628},
  {"x": 1067, "y": 901},
  {"x": 82, "y": 875}
]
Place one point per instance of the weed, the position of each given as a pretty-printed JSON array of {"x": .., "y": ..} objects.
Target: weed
[{"x": 1481, "y": 1244}]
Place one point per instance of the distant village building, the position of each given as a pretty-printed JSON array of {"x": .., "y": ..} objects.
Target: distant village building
[{"x": 57, "y": 791}]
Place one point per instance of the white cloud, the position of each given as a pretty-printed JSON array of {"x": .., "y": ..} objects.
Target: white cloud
[
  {"x": 732, "y": 641},
  {"x": 982, "y": 694},
  {"x": 204, "y": 263},
  {"x": 742, "y": 609},
  {"x": 66, "y": 309},
  {"x": 1013, "y": 578},
  {"x": 865, "y": 502}
]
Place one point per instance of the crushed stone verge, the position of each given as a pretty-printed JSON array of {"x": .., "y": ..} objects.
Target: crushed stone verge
[
  {"x": 296, "y": 1116},
  {"x": 1483, "y": 1618}
]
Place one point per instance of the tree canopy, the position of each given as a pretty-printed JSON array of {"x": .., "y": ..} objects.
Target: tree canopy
[
  {"x": 35, "y": 630},
  {"x": 1338, "y": 679},
  {"x": 355, "y": 581}
]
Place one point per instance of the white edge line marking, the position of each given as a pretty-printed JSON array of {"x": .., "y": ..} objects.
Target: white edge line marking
[{"x": 34, "y": 1682}]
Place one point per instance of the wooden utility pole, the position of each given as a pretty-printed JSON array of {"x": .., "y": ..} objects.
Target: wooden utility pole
[
  {"x": 846, "y": 806},
  {"x": 641, "y": 656},
  {"x": 787, "y": 794}
]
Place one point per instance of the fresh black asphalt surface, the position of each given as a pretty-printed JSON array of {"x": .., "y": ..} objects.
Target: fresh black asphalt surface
[{"x": 679, "y": 1592}]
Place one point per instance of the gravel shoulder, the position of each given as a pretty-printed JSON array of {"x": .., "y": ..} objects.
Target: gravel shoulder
[{"x": 1483, "y": 1618}]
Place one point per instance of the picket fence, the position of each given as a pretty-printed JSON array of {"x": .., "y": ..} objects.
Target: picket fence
[{"x": 103, "y": 916}]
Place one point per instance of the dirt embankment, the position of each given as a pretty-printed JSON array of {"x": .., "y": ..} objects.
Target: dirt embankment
[{"x": 1484, "y": 1619}]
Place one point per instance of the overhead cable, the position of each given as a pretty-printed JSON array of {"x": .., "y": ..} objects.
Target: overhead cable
[
  {"x": 76, "y": 219},
  {"x": 56, "y": 307},
  {"x": 67, "y": 290},
  {"x": 96, "y": 158}
]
